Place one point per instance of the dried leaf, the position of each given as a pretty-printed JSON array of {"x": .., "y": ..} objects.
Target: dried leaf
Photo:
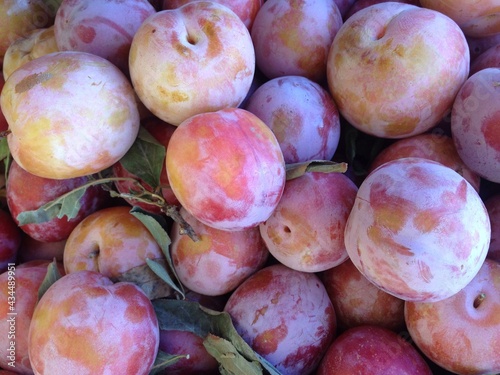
[
  {"x": 323, "y": 166},
  {"x": 50, "y": 278},
  {"x": 144, "y": 277},
  {"x": 145, "y": 158},
  {"x": 164, "y": 360}
]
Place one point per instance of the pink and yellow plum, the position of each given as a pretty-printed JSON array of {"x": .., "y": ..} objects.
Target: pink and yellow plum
[
  {"x": 293, "y": 37},
  {"x": 110, "y": 241},
  {"x": 10, "y": 239},
  {"x": 162, "y": 132},
  {"x": 359, "y": 302},
  {"x": 394, "y": 69},
  {"x": 306, "y": 230},
  {"x": 27, "y": 192},
  {"x": 418, "y": 230},
  {"x": 374, "y": 350},
  {"x": 71, "y": 114},
  {"x": 301, "y": 114},
  {"x": 38, "y": 42},
  {"x": 461, "y": 333},
  {"x": 26, "y": 279},
  {"x": 286, "y": 316},
  {"x": 200, "y": 58},
  {"x": 226, "y": 168},
  {"x": 475, "y": 18},
  {"x": 493, "y": 207},
  {"x": 246, "y": 10},
  {"x": 104, "y": 28},
  {"x": 434, "y": 146},
  {"x": 219, "y": 261},
  {"x": 474, "y": 120},
  {"x": 83, "y": 322},
  {"x": 18, "y": 18}
]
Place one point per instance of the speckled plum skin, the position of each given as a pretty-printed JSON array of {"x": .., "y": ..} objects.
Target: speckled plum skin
[
  {"x": 28, "y": 278},
  {"x": 357, "y": 301},
  {"x": 70, "y": 114},
  {"x": 474, "y": 120},
  {"x": 293, "y": 37},
  {"x": 492, "y": 205},
  {"x": 26, "y": 192},
  {"x": 83, "y": 322},
  {"x": 306, "y": 230},
  {"x": 162, "y": 132},
  {"x": 475, "y": 18},
  {"x": 433, "y": 146},
  {"x": 418, "y": 230},
  {"x": 374, "y": 350},
  {"x": 179, "y": 62},
  {"x": 469, "y": 342},
  {"x": 10, "y": 239},
  {"x": 301, "y": 114},
  {"x": 394, "y": 69},
  {"x": 104, "y": 28},
  {"x": 110, "y": 241},
  {"x": 246, "y": 10},
  {"x": 226, "y": 168},
  {"x": 220, "y": 261},
  {"x": 286, "y": 316}
]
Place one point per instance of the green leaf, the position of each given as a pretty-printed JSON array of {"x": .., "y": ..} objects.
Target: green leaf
[
  {"x": 164, "y": 360},
  {"x": 231, "y": 361},
  {"x": 190, "y": 316},
  {"x": 4, "y": 148},
  {"x": 324, "y": 166},
  {"x": 150, "y": 282},
  {"x": 66, "y": 205},
  {"x": 157, "y": 226},
  {"x": 145, "y": 159},
  {"x": 162, "y": 273},
  {"x": 50, "y": 278}
]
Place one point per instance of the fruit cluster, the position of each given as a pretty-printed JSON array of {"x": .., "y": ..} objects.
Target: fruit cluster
[{"x": 250, "y": 186}]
